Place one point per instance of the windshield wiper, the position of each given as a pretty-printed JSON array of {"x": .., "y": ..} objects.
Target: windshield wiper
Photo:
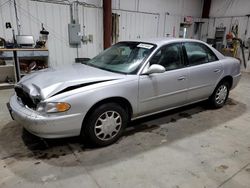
[{"x": 82, "y": 60}]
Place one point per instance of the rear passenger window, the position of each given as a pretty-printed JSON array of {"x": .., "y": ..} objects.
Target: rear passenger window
[
  {"x": 198, "y": 53},
  {"x": 211, "y": 56}
]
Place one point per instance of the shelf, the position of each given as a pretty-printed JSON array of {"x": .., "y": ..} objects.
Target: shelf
[
  {"x": 6, "y": 85},
  {"x": 20, "y": 55},
  {"x": 5, "y": 66},
  {"x": 22, "y": 49}
]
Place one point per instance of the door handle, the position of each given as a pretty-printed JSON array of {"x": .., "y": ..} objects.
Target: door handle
[
  {"x": 182, "y": 78},
  {"x": 217, "y": 70}
]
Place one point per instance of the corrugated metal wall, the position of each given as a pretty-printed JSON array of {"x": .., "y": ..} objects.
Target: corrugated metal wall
[
  {"x": 136, "y": 25},
  {"x": 210, "y": 26},
  {"x": 139, "y": 19},
  {"x": 55, "y": 18}
]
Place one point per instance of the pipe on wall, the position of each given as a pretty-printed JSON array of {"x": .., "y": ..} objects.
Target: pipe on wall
[{"x": 107, "y": 23}]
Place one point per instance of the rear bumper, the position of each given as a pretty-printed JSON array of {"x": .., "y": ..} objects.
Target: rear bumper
[
  {"x": 236, "y": 80},
  {"x": 49, "y": 126}
]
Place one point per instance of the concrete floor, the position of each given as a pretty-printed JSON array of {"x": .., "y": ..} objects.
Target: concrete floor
[{"x": 185, "y": 148}]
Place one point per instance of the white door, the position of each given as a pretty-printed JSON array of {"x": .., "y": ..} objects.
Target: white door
[
  {"x": 149, "y": 29},
  {"x": 172, "y": 26},
  {"x": 133, "y": 25}
]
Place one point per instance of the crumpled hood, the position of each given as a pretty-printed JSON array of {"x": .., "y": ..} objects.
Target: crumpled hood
[{"x": 48, "y": 82}]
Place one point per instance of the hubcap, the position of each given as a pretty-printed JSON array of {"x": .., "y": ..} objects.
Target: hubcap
[
  {"x": 221, "y": 94},
  {"x": 108, "y": 125}
]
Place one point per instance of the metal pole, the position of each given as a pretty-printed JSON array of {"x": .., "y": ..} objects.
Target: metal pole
[
  {"x": 17, "y": 20},
  {"x": 107, "y": 23},
  {"x": 17, "y": 67}
]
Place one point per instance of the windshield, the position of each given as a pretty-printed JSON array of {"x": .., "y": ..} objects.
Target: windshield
[{"x": 123, "y": 57}]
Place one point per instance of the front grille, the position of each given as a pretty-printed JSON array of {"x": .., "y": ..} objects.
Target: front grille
[{"x": 25, "y": 98}]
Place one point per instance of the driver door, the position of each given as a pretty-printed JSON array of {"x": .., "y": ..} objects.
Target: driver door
[{"x": 166, "y": 90}]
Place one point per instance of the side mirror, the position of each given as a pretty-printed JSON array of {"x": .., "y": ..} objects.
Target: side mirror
[{"x": 155, "y": 69}]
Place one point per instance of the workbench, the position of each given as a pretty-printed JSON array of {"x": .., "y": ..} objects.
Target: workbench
[{"x": 16, "y": 54}]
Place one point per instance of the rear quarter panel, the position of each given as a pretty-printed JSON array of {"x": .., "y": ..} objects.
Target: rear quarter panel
[{"x": 231, "y": 66}]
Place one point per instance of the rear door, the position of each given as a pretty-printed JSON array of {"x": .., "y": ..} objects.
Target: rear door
[
  {"x": 164, "y": 90},
  {"x": 204, "y": 70}
]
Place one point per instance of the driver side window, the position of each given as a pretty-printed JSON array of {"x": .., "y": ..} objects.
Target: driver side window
[{"x": 169, "y": 57}]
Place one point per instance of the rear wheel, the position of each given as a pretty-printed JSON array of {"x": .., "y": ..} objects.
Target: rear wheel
[
  {"x": 106, "y": 124},
  {"x": 220, "y": 95}
]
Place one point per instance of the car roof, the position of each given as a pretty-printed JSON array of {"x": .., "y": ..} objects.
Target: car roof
[
  {"x": 167, "y": 40},
  {"x": 163, "y": 40}
]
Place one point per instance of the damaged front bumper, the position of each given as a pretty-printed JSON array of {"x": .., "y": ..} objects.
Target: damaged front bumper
[{"x": 45, "y": 126}]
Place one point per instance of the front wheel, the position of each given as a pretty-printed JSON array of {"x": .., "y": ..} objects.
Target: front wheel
[
  {"x": 106, "y": 124},
  {"x": 220, "y": 95}
]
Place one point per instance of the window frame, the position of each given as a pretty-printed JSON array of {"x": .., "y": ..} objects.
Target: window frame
[
  {"x": 183, "y": 62},
  {"x": 200, "y": 44}
]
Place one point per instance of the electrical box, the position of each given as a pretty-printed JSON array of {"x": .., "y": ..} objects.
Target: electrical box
[{"x": 74, "y": 34}]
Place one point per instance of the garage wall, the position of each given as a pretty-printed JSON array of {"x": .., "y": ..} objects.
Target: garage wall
[
  {"x": 227, "y": 13},
  {"x": 227, "y": 22},
  {"x": 136, "y": 25},
  {"x": 139, "y": 18},
  {"x": 175, "y": 8},
  {"x": 55, "y": 18},
  {"x": 229, "y": 8}
]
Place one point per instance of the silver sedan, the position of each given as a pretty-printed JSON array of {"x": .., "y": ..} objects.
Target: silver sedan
[{"x": 130, "y": 80}]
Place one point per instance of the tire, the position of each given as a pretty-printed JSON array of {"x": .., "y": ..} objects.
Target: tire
[
  {"x": 105, "y": 124},
  {"x": 220, "y": 95}
]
